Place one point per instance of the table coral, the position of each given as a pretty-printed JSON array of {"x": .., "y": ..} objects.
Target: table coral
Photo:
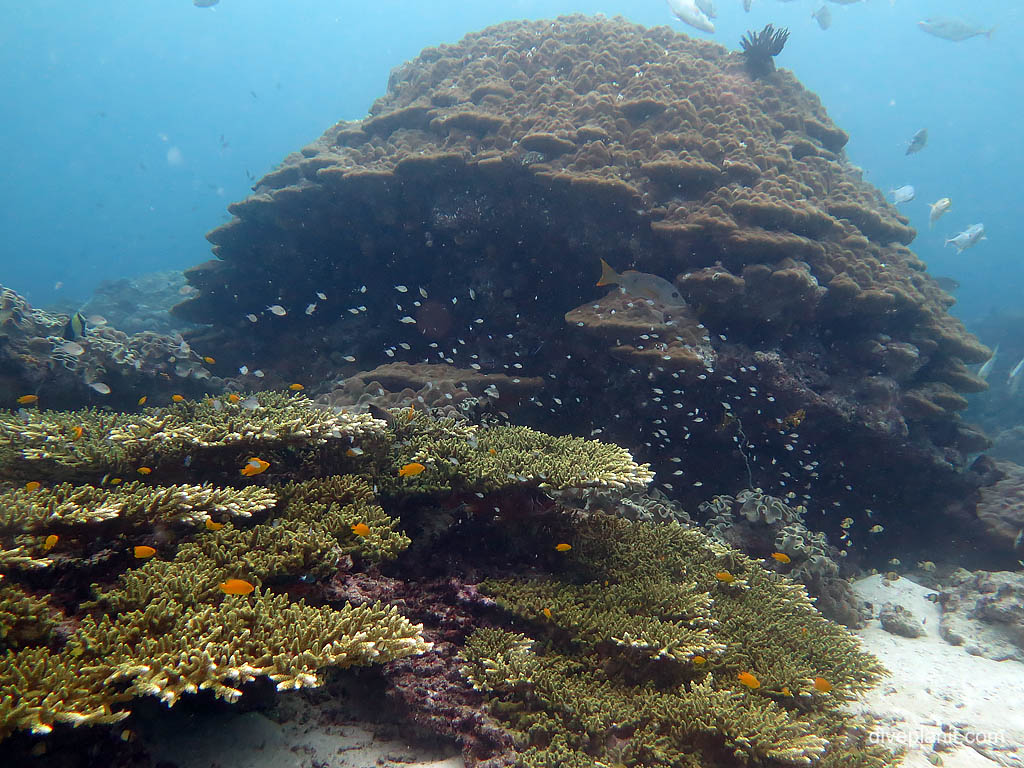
[
  {"x": 636, "y": 650},
  {"x": 166, "y": 625}
]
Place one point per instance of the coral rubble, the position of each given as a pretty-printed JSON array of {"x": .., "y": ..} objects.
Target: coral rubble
[
  {"x": 984, "y": 612},
  {"x": 462, "y": 222},
  {"x": 104, "y": 366}
]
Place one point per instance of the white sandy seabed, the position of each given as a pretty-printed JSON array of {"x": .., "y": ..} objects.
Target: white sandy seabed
[
  {"x": 939, "y": 700},
  {"x": 943, "y": 705}
]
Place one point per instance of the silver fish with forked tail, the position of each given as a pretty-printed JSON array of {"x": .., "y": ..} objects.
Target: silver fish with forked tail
[{"x": 968, "y": 238}]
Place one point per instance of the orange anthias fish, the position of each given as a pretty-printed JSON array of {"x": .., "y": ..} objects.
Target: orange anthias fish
[
  {"x": 209, "y": 360},
  {"x": 563, "y": 547},
  {"x": 699, "y": 660},
  {"x": 296, "y": 387},
  {"x": 725, "y": 577},
  {"x": 233, "y": 398},
  {"x": 76, "y": 432},
  {"x": 144, "y": 470},
  {"x": 547, "y": 613},
  {"x": 212, "y": 526},
  {"x": 28, "y": 399},
  {"x": 748, "y": 679},
  {"x": 255, "y": 466},
  {"x": 33, "y": 485},
  {"x": 50, "y": 542},
  {"x": 178, "y": 398},
  {"x": 411, "y": 470},
  {"x": 143, "y": 552},
  {"x": 361, "y": 529},
  {"x": 142, "y": 400},
  {"x": 782, "y": 557},
  {"x": 236, "y": 587},
  {"x": 642, "y": 285},
  {"x": 822, "y": 685}
]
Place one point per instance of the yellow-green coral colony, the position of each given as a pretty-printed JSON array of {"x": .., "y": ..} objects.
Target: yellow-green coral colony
[
  {"x": 142, "y": 630},
  {"x": 640, "y": 640},
  {"x": 741, "y": 665}
]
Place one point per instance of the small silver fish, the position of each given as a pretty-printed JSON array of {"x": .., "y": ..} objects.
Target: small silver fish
[
  {"x": 903, "y": 194},
  {"x": 707, "y": 7},
  {"x": 311, "y": 308},
  {"x": 937, "y": 209},
  {"x": 251, "y": 318},
  {"x": 917, "y": 141},
  {"x": 277, "y": 309},
  {"x": 250, "y": 403},
  {"x": 321, "y": 295},
  {"x": 954, "y": 29},
  {"x": 642, "y": 285},
  {"x": 688, "y": 13},
  {"x": 823, "y": 16},
  {"x": 1017, "y": 369},
  {"x": 99, "y": 386},
  {"x": 986, "y": 367},
  {"x": 747, "y": 4},
  {"x": 71, "y": 348},
  {"x": 968, "y": 238}
]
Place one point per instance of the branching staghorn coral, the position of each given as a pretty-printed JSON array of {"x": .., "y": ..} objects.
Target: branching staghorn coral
[
  {"x": 34, "y": 520},
  {"x": 166, "y": 626},
  {"x": 80, "y": 445},
  {"x": 168, "y": 649},
  {"x": 637, "y": 651},
  {"x": 52, "y": 508},
  {"x": 311, "y": 532},
  {"x": 457, "y": 455}
]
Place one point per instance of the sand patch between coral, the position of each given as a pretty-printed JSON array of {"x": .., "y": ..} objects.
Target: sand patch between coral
[
  {"x": 970, "y": 707},
  {"x": 304, "y": 737}
]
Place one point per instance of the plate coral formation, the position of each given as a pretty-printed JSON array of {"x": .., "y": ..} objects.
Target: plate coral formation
[{"x": 463, "y": 221}]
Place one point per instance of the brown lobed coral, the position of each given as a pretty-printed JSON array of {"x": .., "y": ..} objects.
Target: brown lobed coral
[{"x": 462, "y": 221}]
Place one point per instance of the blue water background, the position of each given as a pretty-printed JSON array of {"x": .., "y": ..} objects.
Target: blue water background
[{"x": 129, "y": 125}]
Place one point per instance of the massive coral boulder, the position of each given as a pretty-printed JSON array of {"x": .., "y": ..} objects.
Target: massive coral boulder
[{"x": 462, "y": 221}]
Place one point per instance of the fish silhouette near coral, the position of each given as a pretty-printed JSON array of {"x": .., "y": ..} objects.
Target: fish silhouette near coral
[{"x": 642, "y": 285}]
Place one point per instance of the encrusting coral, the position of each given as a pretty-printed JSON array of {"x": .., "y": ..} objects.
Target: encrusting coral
[{"x": 656, "y": 646}]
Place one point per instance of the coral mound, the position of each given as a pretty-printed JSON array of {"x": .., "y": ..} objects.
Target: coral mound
[{"x": 463, "y": 220}]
